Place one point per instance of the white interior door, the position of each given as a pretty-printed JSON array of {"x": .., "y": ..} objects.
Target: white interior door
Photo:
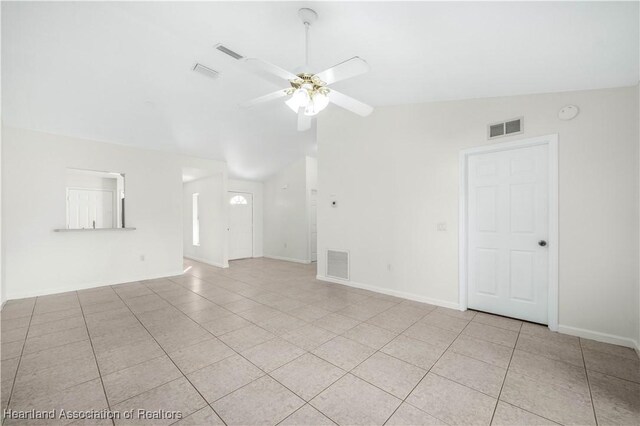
[
  {"x": 90, "y": 208},
  {"x": 313, "y": 225},
  {"x": 508, "y": 225},
  {"x": 240, "y": 225}
]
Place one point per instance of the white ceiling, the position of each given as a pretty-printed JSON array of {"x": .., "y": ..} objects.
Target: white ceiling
[{"x": 121, "y": 72}]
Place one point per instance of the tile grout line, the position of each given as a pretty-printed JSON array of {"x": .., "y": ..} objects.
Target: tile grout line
[
  {"x": 428, "y": 371},
  {"x": 530, "y": 377},
  {"x": 15, "y": 376},
  {"x": 514, "y": 405},
  {"x": 268, "y": 373},
  {"x": 256, "y": 301},
  {"x": 312, "y": 407},
  {"x": 586, "y": 373},
  {"x": 261, "y": 289},
  {"x": 375, "y": 352},
  {"x": 95, "y": 357},
  {"x": 167, "y": 355},
  {"x": 308, "y": 402},
  {"x": 238, "y": 354},
  {"x": 242, "y": 356},
  {"x": 505, "y": 375}
]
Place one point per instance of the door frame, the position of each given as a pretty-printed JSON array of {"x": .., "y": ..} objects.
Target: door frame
[
  {"x": 309, "y": 249},
  {"x": 552, "y": 142},
  {"x": 253, "y": 231}
]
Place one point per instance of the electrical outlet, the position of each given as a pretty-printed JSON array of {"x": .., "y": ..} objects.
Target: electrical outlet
[
  {"x": 142, "y": 257},
  {"x": 442, "y": 226}
]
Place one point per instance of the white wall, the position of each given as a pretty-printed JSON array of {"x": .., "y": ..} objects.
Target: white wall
[
  {"x": 3, "y": 292},
  {"x": 40, "y": 261},
  {"x": 286, "y": 218},
  {"x": 257, "y": 189},
  {"x": 213, "y": 220},
  {"x": 395, "y": 176}
]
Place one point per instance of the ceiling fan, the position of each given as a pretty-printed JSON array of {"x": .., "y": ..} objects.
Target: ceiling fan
[{"x": 308, "y": 93}]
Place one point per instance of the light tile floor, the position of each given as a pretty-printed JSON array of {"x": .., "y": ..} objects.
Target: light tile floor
[{"x": 263, "y": 342}]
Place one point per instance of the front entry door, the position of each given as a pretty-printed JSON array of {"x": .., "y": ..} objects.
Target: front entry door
[
  {"x": 240, "y": 225},
  {"x": 508, "y": 223}
]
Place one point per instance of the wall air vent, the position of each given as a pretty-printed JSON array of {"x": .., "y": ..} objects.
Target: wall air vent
[
  {"x": 505, "y": 128},
  {"x": 206, "y": 71},
  {"x": 228, "y": 51},
  {"x": 338, "y": 264}
]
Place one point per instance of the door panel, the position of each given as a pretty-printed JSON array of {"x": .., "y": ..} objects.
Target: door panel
[
  {"x": 89, "y": 207},
  {"x": 507, "y": 216},
  {"x": 522, "y": 276},
  {"x": 240, "y": 225},
  {"x": 487, "y": 271}
]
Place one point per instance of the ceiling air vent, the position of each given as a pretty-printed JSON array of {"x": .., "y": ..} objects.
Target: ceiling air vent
[
  {"x": 505, "y": 128},
  {"x": 206, "y": 71},
  {"x": 228, "y": 51},
  {"x": 338, "y": 264}
]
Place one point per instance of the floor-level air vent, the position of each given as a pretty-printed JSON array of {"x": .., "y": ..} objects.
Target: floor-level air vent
[
  {"x": 206, "y": 71},
  {"x": 505, "y": 128},
  {"x": 227, "y": 51},
  {"x": 338, "y": 264}
]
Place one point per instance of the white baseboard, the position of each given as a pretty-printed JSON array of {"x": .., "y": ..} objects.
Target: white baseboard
[
  {"x": 402, "y": 294},
  {"x": 587, "y": 334},
  {"x": 287, "y": 259},
  {"x": 208, "y": 262},
  {"x": 598, "y": 336},
  {"x": 64, "y": 289}
]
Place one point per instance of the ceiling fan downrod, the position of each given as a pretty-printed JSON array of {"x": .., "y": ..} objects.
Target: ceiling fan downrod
[{"x": 308, "y": 17}]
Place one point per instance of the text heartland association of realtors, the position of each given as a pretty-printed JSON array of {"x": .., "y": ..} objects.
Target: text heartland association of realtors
[{"x": 140, "y": 414}]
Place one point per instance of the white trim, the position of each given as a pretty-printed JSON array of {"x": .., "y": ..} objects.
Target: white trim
[
  {"x": 253, "y": 230},
  {"x": 89, "y": 286},
  {"x": 552, "y": 142},
  {"x": 287, "y": 259},
  {"x": 598, "y": 336},
  {"x": 208, "y": 262},
  {"x": 388, "y": 292},
  {"x": 309, "y": 248}
]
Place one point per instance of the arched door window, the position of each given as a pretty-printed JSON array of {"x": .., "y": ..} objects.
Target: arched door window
[{"x": 237, "y": 199}]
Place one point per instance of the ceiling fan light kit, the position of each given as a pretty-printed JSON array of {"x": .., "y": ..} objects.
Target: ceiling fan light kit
[{"x": 308, "y": 93}]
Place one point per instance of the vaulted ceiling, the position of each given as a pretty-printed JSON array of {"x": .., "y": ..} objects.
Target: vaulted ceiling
[{"x": 121, "y": 72}]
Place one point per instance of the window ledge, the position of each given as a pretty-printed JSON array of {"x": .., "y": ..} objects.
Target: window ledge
[{"x": 93, "y": 230}]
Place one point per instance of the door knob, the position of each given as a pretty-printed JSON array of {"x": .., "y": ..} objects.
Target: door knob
[{"x": 542, "y": 243}]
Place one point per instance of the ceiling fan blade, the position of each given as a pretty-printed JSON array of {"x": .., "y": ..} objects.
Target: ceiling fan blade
[
  {"x": 347, "y": 69},
  {"x": 266, "y": 98},
  {"x": 268, "y": 71},
  {"x": 304, "y": 121},
  {"x": 350, "y": 104}
]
